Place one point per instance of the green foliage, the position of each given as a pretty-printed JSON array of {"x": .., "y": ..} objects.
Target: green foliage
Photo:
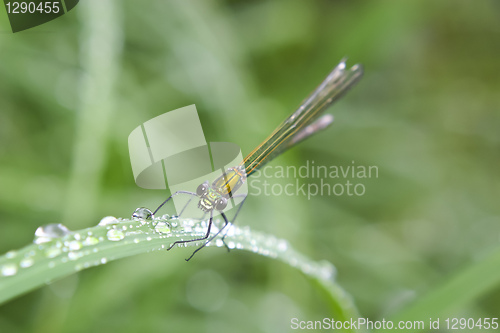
[
  {"x": 426, "y": 113},
  {"x": 50, "y": 258}
]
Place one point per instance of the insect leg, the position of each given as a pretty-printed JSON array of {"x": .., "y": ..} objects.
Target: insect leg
[
  {"x": 196, "y": 239},
  {"x": 226, "y": 222}
]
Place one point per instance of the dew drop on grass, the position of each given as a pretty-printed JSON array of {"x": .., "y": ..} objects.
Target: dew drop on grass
[
  {"x": 75, "y": 245},
  {"x": 326, "y": 270},
  {"x": 11, "y": 254},
  {"x": 282, "y": 245},
  {"x": 162, "y": 227},
  {"x": 90, "y": 240},
  {"x": 9, "y": 269},
  {"x": 115, "y": 235},
  {"x": 26, "y": 262},
  {"x": 142, "y": 213},
  {"x": 108, "y": 220},
  {"x": 52, "y": 252},
  {"x": 48, "y": 232}
]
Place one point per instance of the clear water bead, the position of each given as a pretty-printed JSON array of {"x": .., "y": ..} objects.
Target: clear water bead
[
  {"x": 52, "y": 252},
  {"x": 9, "y": 270},
  {"x": 142, "y": 213},
  {"x": 108, "y": 220},
  {"x": 75, "y": 245},
  {"x": 326, "y": 270},
  {"x": 162, "y": 227},
  {"x": 26, "y": 262},
  {"x": 282, "y": 245},
  {"x": 11, "y": 254},
  {"x": 48, "y": 232},
  {"x": 90, "y": 240},
  {"x": 115, "y": 235}
]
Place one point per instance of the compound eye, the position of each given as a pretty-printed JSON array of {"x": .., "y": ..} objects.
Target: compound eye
[
  {"x": 202, "y": 189},
  {"x": 221, "y": 204}
]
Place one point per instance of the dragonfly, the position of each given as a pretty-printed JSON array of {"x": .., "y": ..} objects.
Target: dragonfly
[{"x": 307, "y": 120}]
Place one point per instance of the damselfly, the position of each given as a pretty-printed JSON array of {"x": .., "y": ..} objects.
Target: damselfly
[{"x": 304, "y": 122}]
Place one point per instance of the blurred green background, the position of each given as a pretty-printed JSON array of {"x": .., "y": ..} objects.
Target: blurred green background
[{"x": 426, "y": 113}]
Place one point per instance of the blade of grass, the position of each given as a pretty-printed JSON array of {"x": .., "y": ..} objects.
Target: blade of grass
[
  {"x": 463, "y": 287},
  {"x": 42, "y": 262}
]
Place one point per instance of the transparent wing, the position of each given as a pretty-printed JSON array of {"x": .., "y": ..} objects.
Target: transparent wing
[{"x": 302, "y": 123}]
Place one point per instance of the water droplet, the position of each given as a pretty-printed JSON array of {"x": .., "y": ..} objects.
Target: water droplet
[
  {"x": 11, "y": 254},
  {"x": 75, "y": 245},
  {"x": 9, "y": 269},
  {"x": 282, "y": 245},
  {"x": 48, "y": 232},
  {"x": 90, "y": 241},
  {"x": 52, "y": 252},
  {"x": 219, "y": 242},
  {"x": 306, "y": 269},
  {"x": 108, "y": 220},
  {"x": 104, "y": 260},
  {"x": 72, "y": 256},
  {"x": 143, "y": 213},
  {"x": 136, "y": 240},
  {"x": 26, "y": 262},
  {"x": 165, "y": 217},
  {"x": 231, "y": 245},
  {"x": 174, "y": 217},
  {"x": 326, "y": 270},
  {"x": 162, "y": 227},
  {"x": 115, "y": 235},
  {"x": 230, "y": 232}
]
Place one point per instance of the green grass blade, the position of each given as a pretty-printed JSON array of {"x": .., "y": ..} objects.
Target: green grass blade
[
  {"x": 37, "y": 264},
  {"x": 464, "y": 287}
]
